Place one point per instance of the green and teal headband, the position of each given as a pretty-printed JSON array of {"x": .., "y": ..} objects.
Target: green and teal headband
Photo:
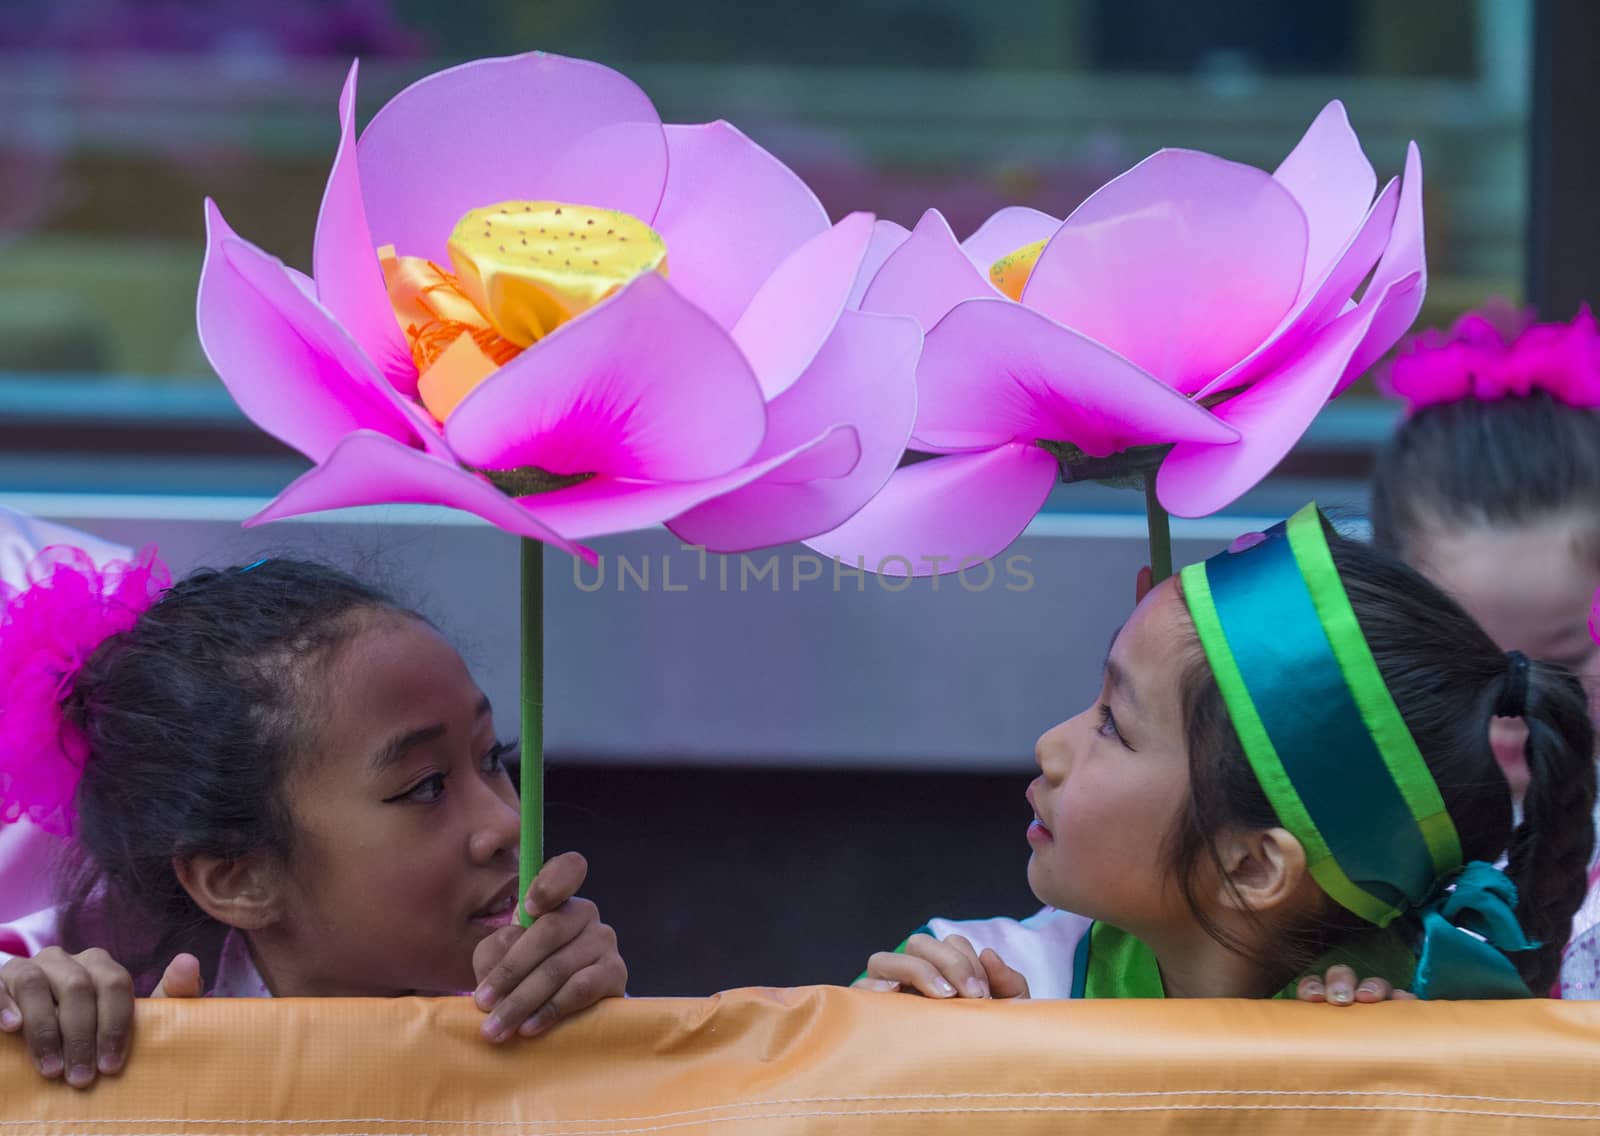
[{"x": 1338, "y": 763}]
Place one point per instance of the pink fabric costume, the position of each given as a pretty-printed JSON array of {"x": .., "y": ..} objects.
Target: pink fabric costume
[
  {"x": 28, "y": 853},
  {"x": 64, "y": 592}
]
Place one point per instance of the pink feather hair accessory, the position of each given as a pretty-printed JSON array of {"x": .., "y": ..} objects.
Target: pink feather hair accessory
[
  {"x": 1497, "y": 353},
  {"x": 48, "y": 630}
]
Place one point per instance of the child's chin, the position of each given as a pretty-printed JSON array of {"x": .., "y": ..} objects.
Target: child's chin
[{"x": 1040, "y": 885}]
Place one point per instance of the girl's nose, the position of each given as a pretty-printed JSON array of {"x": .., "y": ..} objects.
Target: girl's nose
[
  {"x": 1050, "y": 751},
  {"x": 496, "y": 827}
]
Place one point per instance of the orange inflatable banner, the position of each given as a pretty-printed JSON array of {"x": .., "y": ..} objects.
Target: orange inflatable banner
[{"x": 830, "y": 1060}]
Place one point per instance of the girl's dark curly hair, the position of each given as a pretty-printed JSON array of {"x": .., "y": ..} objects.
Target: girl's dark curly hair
[{"x": 194, "y": 718}]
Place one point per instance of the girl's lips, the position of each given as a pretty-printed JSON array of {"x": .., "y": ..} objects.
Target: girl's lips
[
  {"x": 496, "y": 921},
  {"x": 501, "y": 911},
  {"x": 1037, "y": 832}
]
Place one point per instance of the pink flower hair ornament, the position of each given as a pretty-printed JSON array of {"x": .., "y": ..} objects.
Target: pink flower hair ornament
[
  {"x": 1487, "y": 356},
  {"x": 534, "y": 301},
  {"x": 48, "y": 630}
]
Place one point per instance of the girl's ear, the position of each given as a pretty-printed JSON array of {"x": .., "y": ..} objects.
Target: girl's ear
[
  {"x": 241, "y": 893},
  {"x": 1266, "y": 866}
]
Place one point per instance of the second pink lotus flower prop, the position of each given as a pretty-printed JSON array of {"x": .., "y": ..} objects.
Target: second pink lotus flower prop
[{"x": 1182, "y": 327}]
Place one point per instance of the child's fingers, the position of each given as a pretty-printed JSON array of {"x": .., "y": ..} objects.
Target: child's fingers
[
  {"x": 1374, "y": 990},
  {"x": 10, "y": 1015},
  {"x": 533, "y": 947},
  {"x": 77, "y": 1012},
  {"x": 540, "y": 984},
  {"x": 1403, "y": 996},
  {"x": 113, "y": 1009},
  {"x": 1341, "y": 985},
  {"x": 181, "y": 979},
  {"x": 960, "y": 968},
  {"x": 30, "y": 990},
  {"x": 1311, "y": 989},
  {"x": 1004, "y": 981},
  {"x": 557, "y": 882},
  {"x": 976, "y": 986},
  {"x": 493, "y": 949},
  {"x": 915, "y": 975},
  {"x": 1142, "y": 585},
  {"x": 878, "y": 985},
  {"x": 606, "y": 978}
]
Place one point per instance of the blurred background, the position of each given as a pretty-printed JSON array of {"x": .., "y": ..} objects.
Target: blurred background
[{"x": 769, "y": 787}]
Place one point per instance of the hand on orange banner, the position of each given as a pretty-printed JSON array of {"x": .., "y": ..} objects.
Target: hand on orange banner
[
  {"x": 75, "y": 1012},
  {"x": 181, "y": 979},
  {"x": 948, "y": 968},
  {"x": 1339, "y": 988},
  {"x": 567, "y": 961}
]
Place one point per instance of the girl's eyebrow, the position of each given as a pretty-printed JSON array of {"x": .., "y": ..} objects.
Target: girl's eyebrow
[
  {"x": 1118, "y": 682},
  {"x": 397, "y": 748}
]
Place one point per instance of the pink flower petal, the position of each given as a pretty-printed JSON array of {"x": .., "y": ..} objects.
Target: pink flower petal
[
  {"x": 886, "y": 237},
  {"x": 292, "y": 370},
  {"x": 926, "y": 276},
  {"x": 940, "y": 515},
  {"x": 534, "y": 127},
  {"x": 994, "y": 372},
  {"x": 1328, "y": 298},
  {"x": 610, "y": 505},
  {"x": 370, "y": 469},
  {"x": 1184, "y": 264},
  {"x": 1271, "y": 417},
  {"x": 1401, "y": 278},
  {"x": 866, "y": 375},
  {"x": 349, "y": 279},
  {"x": 307, "y": 286},
  {"x": 833, "y": 454},
  {"x": 731, "y": 214},
  {"x": 645, "y": 386},
  {"x": 1332, "y": 180},
  {"x": 795, "y": 311},
  {"x": 1006, "y": 232}
]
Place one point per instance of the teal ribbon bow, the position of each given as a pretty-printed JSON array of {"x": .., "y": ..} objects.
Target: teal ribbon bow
[{"x": 1466, "y": 934}]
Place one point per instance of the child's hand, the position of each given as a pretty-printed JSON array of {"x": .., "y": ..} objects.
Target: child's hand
[
  {"x": 949, "y": 968},
  {"x": 181, "y": 979},
  {"x": 75, "y": 1011},
  {"x": 567, "y": 961},
  {"x": 1339, "y": 988}
]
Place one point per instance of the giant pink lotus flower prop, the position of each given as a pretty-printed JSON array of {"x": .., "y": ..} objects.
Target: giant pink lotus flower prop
[
  {"x": 1184, "y": 325},
  {"x": 638, "y": 322},
  {"x": 533, "y": 301}
]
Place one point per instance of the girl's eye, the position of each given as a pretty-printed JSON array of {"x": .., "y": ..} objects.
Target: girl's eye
[
  {"x": 425, "y": 792},
  {"x": 1108, "y": 727},
  {"x": 495, "y": 760}
]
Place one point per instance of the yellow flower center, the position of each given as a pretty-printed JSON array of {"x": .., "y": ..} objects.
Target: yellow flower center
[
  {"x": 1010, "y": 273},
  {"x": 522, "y": 269}
]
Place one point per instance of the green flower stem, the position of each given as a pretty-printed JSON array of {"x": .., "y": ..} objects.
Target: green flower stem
[
  {"x": 1160, "y": 532},
  {"x": 532, "y": 857}
]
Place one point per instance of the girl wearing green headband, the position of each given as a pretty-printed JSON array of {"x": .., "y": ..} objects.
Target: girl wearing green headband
[{"x": 1287, "y": 768}]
